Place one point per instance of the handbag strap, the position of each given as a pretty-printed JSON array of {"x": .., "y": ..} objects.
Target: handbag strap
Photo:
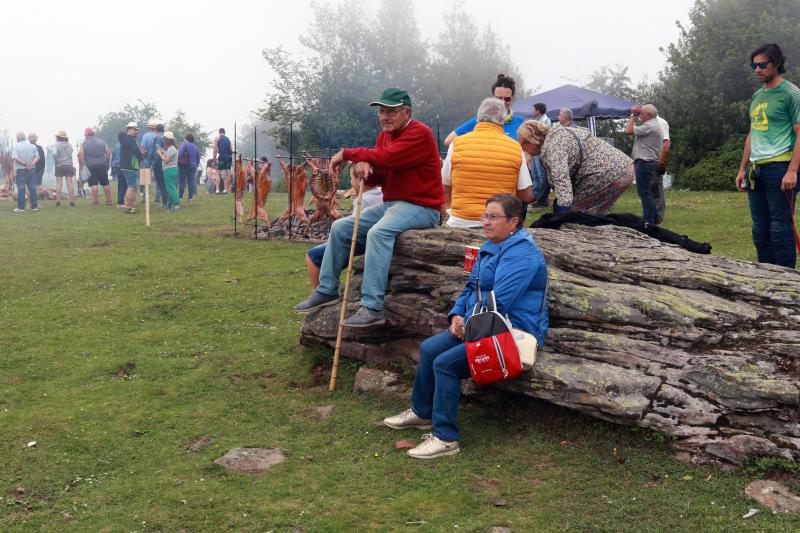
[{"x": 573, "y": 173}]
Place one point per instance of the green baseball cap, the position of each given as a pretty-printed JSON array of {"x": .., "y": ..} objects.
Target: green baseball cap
[{"x": 393, "y": 97}]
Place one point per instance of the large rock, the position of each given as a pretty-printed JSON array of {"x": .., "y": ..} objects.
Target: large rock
[{"x": 700, "y": 347}]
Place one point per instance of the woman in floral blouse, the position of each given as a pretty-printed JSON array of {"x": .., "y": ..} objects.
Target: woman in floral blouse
[{"x": 587, "y": 173}]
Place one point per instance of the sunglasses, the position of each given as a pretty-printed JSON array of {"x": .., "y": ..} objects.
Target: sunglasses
[
  {"x": 504, "y": 98},
  {"x": 761, "y": 65}
]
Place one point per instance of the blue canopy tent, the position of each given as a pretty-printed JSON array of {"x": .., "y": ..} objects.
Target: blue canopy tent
[{"x": 585, "y": 104}]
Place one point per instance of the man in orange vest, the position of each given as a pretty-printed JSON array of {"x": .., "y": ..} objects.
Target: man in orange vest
[{"x": 482, "y": 163}]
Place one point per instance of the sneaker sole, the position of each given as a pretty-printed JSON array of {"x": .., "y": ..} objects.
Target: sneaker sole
[
  {"x": 441, "y": 454},
  {"x": 320, "y": 306},
  {"x": 429, "y": 426},
  {"x": 376, "y": 323}
]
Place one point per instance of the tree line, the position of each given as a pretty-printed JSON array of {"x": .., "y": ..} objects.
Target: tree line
[{"x": 355, "y": 53}]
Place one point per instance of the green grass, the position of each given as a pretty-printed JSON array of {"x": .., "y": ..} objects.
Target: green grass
[{"x": 120, "y": 344}]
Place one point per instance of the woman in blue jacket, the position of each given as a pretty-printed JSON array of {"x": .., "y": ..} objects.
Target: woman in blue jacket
[{"x": 512, "y": 265}]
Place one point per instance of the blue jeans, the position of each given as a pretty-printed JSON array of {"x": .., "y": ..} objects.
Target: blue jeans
[
  {"x": 26, "y": 178},
  {"x": 772, "y": 216},
  {"x": 122, "y": 185},
  {"x": 378, "y": 228},
  {"x": 316, "y": 253},
  {"x": 188, "y": 177},
  {"x": 646, "y": 172},
  {"x": 437, "y": 385},
  {"x": 541, "y": 187}
]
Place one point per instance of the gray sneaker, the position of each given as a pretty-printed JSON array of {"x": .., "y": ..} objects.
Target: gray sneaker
[
  {"x": 407, "y": 419},
  {"x": 364, "y": 318},
  {"x": 316, "y": 300},
  {"x": 433, "y": 447}
]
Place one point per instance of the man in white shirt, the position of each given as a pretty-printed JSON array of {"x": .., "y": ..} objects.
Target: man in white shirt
[{"x": 657, "y": 186}]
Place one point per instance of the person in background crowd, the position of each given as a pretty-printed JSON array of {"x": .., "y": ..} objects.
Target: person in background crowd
[
  {"x": 480, "y": 164},
  {"x": 223, "y": 159},
  {"x": 565, "y": 118},
  {"x": 212, "y": 177},
  {"x": 188, "y": 160},
  {"x": 771, "y": 158},
  {"x": 95, "y": 155},
  {"x": 64, "y": 167},
  {"x": 405, "y": 161},
  {"x": 502, "y": 89},
  {"x": 152, "y": 142},
  {"x": 129, "y": 157},
  {"x": 540, "y": 114},
  {"x": 586, "y": 173},
  {"x": 25, "y": 156},
  {"x": 647, "y": 143},
  {"x": 169, "y": 159},
  {"x": 122, "y": 185},
  {"x": 40, "y": 164},
  {"x": 511, "y": 265},
  {"x": 541, "y": 186},
  {"x": 657, "y": 187}
]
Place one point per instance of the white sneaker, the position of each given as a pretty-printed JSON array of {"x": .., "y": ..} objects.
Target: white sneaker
[
  {"x": 433, "y": 447},
  {"x": 18, "y": 210},
  {"x": 407, "y": 419}
]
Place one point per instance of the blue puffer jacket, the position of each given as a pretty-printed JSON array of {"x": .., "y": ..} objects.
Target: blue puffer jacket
[{"x": 516, "y": 270}]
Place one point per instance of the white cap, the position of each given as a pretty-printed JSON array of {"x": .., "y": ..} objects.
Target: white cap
[
  {"x": 169, "y": 135},
  {"x": 132, "y": 124}
]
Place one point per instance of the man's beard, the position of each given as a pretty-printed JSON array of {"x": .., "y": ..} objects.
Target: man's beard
[{"x": 768, "y": 79}]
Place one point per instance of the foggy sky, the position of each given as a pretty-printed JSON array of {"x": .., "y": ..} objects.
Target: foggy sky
[{"x": 68, "y": 62}]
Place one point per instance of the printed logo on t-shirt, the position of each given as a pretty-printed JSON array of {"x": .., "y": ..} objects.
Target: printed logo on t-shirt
[{"x": 758, "y": 120}]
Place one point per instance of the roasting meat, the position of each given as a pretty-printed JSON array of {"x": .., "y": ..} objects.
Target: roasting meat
[{"x": 263, "y": 183}]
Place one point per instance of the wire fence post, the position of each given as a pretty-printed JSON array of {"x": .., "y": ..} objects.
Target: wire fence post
[
  {"x": 289, "y": 180},
  {"x": 255, "y": 177},
  {"x": 233, "y": 180}
]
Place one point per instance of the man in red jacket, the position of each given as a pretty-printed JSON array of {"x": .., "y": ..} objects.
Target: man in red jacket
[{"x": 406, "y": 164}]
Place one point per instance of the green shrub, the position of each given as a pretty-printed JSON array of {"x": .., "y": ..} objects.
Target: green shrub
[{"x": 716, "y": 172}]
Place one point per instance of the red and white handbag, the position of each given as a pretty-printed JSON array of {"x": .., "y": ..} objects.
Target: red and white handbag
[{"x": 492, "y": 351}]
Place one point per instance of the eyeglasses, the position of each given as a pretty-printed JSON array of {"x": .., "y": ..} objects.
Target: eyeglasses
[
  {"x": 505, "y": 98},
  {"x": 762, "y": 65},
  {"x": 492, "y": 218}
]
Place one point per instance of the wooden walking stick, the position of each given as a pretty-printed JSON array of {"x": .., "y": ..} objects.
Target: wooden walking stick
[
  {"x": 338, "y": 349},
  {"x": 145, "y": 176}
]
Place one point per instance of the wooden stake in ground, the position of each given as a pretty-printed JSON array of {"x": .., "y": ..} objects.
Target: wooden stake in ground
[
  {"x": 338, "y": 349},
  {"x": 145, "y": 179}
]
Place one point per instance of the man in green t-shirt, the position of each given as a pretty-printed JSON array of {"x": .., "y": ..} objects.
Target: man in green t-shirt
[{"x": 771, "y": 159}]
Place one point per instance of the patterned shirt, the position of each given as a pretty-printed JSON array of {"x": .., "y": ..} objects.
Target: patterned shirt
[{"x": 602, "y": 164}]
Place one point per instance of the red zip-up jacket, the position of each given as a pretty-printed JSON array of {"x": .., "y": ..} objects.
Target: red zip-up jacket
[{"x": 406, "y": 165}]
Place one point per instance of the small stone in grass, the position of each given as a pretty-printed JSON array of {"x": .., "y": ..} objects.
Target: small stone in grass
[
  {"x": 499, "y": 502},
  {"x": 404, "y": 445},
  {"x": 198, "y": 442},
  {"x": 251, "y": 460},
  {"x": 323, "y": 411}
]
